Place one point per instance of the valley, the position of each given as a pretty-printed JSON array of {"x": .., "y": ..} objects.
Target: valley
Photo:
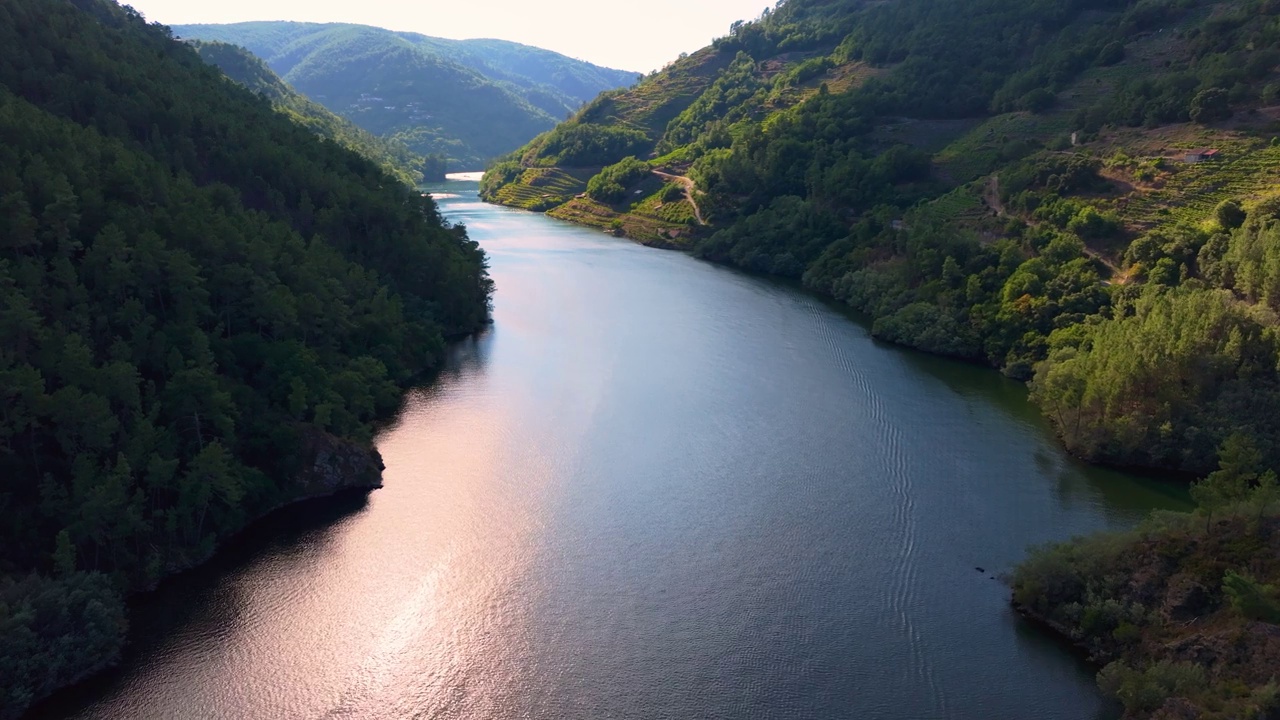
[
  {"x": 958, "y": 398},
  {"x": 465, "y": 102}
]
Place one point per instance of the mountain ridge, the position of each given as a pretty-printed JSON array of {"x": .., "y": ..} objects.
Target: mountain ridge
[
  {"x": 468, "y": 100},
  {"x": 249, "y": 71}
]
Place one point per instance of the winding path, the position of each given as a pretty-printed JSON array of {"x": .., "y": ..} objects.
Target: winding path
[
  {"x": 688, "y": 192},
  {"x": 991, "y": 196}
]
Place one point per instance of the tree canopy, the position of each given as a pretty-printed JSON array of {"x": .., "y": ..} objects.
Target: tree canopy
[{"x": 198, "y": 298}]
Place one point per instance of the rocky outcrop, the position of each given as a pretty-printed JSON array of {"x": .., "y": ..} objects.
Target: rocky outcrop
[
  {"x": 1186, "y": 644},
  {"x": 1186, "y": 599},
  {"x": 331, "y": 464},
  {"x": 1249, "y": 652}
]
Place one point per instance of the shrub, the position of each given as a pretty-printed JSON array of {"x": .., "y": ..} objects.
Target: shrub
[
  {"x": 1146, "y": 690},
  {"x": 1230, "y": 214},
  {"x": 610, "y": 184},
  {"x": 1251, "y": 598}
]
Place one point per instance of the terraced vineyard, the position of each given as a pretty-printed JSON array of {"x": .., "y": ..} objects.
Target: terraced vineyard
[
  {"x": 541, "y": 189},
  {"x": 961, "y": 209},
  {"x": 1189, "y": 193},
  {"x": 644, "y": 215},
  {"x": 997, "y": 142},
  {"x": 649, "y": 106}
]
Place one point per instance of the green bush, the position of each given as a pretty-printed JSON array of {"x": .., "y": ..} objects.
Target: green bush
[
  {"x": 1251, "y": 598},
  {"x": 1142, "y": 691},
  {"x": 610, "y": 184},
  {"x": 1230, "y": 214}
]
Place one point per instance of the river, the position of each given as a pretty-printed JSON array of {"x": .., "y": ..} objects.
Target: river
[{"x": 656, "y": 488}]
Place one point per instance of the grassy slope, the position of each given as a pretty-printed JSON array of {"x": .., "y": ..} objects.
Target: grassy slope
[{"x": 650, "y": 107}]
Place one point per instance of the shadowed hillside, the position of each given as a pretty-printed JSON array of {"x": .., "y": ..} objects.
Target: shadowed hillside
[
  {"x": 204, "y": 308},
  {"x": 245, "y": 69}
]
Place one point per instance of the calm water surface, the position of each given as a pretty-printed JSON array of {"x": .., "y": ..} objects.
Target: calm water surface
[{"x": 655, "y": 489}]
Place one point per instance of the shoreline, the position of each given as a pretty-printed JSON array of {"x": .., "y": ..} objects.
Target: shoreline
[
  {"x": 1171, "y": 476},
  {"x": 255, "y": 531},
  {"x": 320, "y": 481}
]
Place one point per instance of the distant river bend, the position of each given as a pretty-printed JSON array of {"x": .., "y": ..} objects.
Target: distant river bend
[{"x": 655, "y": 489}]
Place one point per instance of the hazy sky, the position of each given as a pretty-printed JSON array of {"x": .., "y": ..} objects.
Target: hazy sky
[{"x": 639, "y": 35}]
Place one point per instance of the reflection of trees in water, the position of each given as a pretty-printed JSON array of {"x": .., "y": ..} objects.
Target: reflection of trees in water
[
  {"x": 466, "y": 362},
  {"x": 211, "y": 599},
  {"x": 997, "y": 401},
  {"x": 206, "y": 604},
  {"x": 1132, "y": 494},
  {"x": 1035, "y": 642},
  {"x": 1077, "y": 483},
  {"x": 468, "y": 358}
]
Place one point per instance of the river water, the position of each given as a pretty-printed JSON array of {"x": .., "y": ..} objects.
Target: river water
[{"x": 656, "y": 488}]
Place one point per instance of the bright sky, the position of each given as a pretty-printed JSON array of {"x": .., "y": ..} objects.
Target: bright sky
[{"x": 639, "y": 35}]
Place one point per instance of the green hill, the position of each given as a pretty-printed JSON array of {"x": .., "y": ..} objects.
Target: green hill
[
  {"x": 467, "y": 100},
  {"x": 1027, "y": 185},
  {"x": 203, "y": 309},
  {"x": 996, "y": 180},
  {"x": 244, "y": 68}
]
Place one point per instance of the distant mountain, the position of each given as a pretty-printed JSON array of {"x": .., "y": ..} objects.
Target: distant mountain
[
  {"x": 245, "y": 68},
  {"x": 468, "y": 100}
]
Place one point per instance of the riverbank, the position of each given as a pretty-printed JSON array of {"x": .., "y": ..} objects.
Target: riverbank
[
  {"x": 713, "y": 466},
  {"x": 93, "y": 609},
  {"x": 1180, "y": 615},
  {"x": 1188, "y": 638}
]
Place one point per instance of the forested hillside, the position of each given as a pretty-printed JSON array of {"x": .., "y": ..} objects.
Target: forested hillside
[
  {"x": 245, "y": 68},
  {"x": 203, "y": 306},
  {"x": 466, "y": 100},
  {"x": 1014, "y": 183},
  {"x": 1183, "y": 613}
]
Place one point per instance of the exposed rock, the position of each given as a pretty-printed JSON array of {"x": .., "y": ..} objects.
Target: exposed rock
[
  {"x": 1186, "y": 599},
  {"x": 1251, "y": 651},
  {"x": 331, "y": 464},
  {"x": 1177, "y": 709},
  {"x": 1202, "y": 650}
]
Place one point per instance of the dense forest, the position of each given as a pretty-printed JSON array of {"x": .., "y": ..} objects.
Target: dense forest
[
  {"x": 244, "y": 68},
  {"x": 1001, "y": 181},
  {"x": 464, "y": 100},
  {"x": 203, "y": 307}
]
